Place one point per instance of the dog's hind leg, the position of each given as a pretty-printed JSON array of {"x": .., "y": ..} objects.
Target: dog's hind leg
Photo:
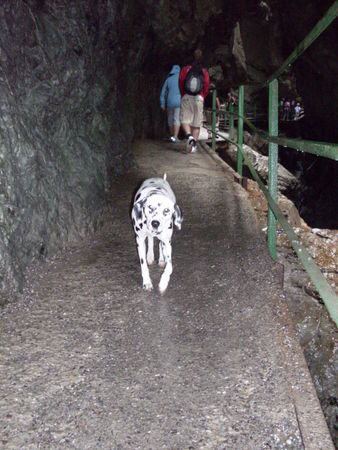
[
  {"x": 164, "y": 281},
  {"x": 150, "y": 252},
  {"x": 141, "y": 248}
]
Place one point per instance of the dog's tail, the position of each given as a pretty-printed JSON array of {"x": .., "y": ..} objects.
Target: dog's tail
[{"x": 165, "y": 176}]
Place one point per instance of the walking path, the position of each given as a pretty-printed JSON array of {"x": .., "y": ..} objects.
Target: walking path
[{"x": 91, "y": 361}]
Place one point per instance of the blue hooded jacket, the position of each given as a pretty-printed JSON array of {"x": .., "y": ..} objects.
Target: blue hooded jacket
[{"x": 171, "y": 90}]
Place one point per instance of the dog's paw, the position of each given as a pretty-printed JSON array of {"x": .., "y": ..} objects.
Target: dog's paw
[
  {"x": 150, "y": 261},
  {"x": 148, "y": 286},
  {"x": 161, "y": 263},
  {"x": 163, "y": 286}
]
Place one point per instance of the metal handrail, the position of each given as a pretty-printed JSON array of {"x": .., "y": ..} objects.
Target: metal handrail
[
  {"x": 329, "y": 297},
  {"x": 323, "y": 149}
]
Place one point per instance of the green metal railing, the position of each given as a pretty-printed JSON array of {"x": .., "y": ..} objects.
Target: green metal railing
[{"x": 323, "y": 149}]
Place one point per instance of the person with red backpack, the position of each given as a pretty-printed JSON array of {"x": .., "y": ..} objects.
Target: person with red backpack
[{"x": 194, "y": 86}]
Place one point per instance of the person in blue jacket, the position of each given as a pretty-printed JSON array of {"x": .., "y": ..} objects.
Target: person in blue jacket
[{"x": 170, "y": 99}]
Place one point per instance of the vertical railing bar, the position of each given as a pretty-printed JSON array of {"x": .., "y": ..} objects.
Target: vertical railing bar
[
  {"x": 240, "y": 129},
  {"x": 273, "y": 166},
  {"x": 213, "y": 121}
]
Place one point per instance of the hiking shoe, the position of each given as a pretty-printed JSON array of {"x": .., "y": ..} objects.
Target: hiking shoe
[
  {"x": 172, "y": 139},
  {"x": 193, "y": 148},
  {"x": 190, "y": 144}
]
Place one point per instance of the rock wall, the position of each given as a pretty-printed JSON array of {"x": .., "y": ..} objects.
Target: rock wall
[{"x": 62, "y": 133}]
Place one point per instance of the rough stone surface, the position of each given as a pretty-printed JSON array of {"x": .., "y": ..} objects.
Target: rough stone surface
[
  {"x": 90, "y": 361},
  {"x": 61, "y": 136}
]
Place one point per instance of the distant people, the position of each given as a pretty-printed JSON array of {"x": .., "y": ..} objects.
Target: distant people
[
  {"x": 286, "y": 110},
  {"x": 292, "y": 110},
  {"x": 281, "y": 107},
  {"x": 170, "y": 99},
  {"x": 194, "y": 86},
  {"x": 297, "y": 111},
  {"x": 230, "y": 99}
]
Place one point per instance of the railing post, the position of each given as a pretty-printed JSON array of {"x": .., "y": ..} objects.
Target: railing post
[
  {"x": 213, "y": 121},
  {"x": 273, "y": 165},
  {"x": 240, "y": 129},
  {"x": 231, "y": 121}
]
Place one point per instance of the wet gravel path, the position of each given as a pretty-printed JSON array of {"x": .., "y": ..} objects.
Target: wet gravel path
[{"x": 90, "y": 361}]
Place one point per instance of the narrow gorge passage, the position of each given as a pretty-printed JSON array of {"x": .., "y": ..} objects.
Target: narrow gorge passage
[{"x": 90, "y": 360}]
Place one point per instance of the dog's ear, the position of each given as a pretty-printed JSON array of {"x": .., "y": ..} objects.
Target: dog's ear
[
  {"x": 137, "y": 208},
  {"x": 178, "y": 216}
]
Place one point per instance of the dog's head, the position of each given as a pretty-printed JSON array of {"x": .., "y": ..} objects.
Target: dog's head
[{"x": 159, "y": 212}]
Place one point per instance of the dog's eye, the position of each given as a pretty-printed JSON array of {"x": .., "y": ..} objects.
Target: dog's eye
[{"x": 166, "y": 211}]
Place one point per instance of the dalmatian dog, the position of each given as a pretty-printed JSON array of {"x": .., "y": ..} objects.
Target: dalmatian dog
[{"x": 154, "y": 212}]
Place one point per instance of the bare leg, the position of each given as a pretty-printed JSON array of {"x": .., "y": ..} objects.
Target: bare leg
[
  {"x": 176, "y": 129},
  {"x": 186, "y": 128},
  {"x": 195, "y": 133}
]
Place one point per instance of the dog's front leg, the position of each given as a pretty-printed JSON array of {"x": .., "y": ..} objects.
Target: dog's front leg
[
  {"x": 164, "y": 281},
  {"x": 141, "y": 248},
  {"x": 161, "y": 262},
  {"x": 150, "y": 252}
]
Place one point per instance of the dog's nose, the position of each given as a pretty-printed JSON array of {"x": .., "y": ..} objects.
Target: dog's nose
[{"x": 155, "y": 223}]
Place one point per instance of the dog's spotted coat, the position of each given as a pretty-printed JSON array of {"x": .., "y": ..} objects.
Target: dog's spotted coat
[{"x": 154, "y": 212}]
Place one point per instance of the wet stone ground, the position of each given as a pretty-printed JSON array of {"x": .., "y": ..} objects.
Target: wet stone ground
[
  {"x": 91, "y": 361},
  {"x": 316, "y": 331}
]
